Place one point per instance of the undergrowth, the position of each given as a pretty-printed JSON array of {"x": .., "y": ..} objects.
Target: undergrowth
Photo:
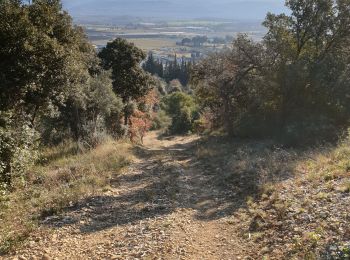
[
  {"x": 62, "y": 176},
  {"x": 291, "y": 203}
]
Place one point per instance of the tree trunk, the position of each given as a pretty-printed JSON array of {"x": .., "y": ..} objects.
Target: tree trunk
[{"x": 126, "y": 117}]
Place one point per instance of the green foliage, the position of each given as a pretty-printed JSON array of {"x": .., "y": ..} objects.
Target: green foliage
[
  {"x": 17, "y": 147},
  {"x": 173, "y": 70},
  {"x": 160, "y": 86},
  {"x": 182, "y": 110},
  {"x": 230, "y": 83},
  {"x": 161, "y": 121},
  {"x": 101, "y": 98},
  {"x": 123, "y": 58},
  {"x": 130, "y": 81},
  {"x": 101, "y": 108},
  {"x": 88, "y": 115},
  {"x": 295, "y": 83},
  {"x": 52, "y": 84},
  {"x": 152, "y": 66},
  {"x": 198, "y": 41},
  {"x": 170, "y": 70},
  {"x": 42, "y": 55}
]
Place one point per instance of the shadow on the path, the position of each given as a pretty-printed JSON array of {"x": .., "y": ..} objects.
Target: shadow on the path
[{"x": 212, "y": 176}]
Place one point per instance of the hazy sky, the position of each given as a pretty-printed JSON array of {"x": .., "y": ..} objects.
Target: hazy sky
[{"x": 232, "y": 9}]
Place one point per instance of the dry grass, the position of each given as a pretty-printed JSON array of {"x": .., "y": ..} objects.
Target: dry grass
[
  {"x": 147, "y": 44},
  {"x": 295, "y": 202},
  {"x": 330, "y": 164},
  {"x": 256, "y": 165},
  {"x": 63, "y": 177},
  {"x": 314, "y": 200}
]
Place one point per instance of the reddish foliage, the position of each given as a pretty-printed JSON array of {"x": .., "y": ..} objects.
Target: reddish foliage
[{"x": 140, "y": 122}]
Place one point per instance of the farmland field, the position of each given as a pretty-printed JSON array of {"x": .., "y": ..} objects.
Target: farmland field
[
  {"x": 146, "y": 44},
  {"x": 151, "y": 44},
  {"x": 161, "y": 37}
]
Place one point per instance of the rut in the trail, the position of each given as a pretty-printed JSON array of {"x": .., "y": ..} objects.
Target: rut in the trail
[{"x": 164, "y": 206}]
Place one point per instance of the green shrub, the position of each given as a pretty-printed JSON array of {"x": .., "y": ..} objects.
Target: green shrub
[
  {"x": 161, "y": 121},
  {"x": 183, "y": 111},
  {"x": 17, "y": 147}
]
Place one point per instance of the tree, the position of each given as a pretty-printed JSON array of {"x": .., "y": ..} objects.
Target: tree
[
  {"x": 173, "y": 70},
  {"x": 42, "y": 56},
  {"x": 43, "y": 59},
  {"x": 182, "y": 108},
  {"x": 149, "y": 64},
  {"x": 86, "y": 116},
  {"x": 199, "y": 40},
  {"x": 152, "y": 66},
  {"x": 295, "y": 82},
  {"x": 228, "y": 83},
  {"x": 130, "y": 82},
  {"x": 311, "y": 49},
  {"x": 186, "y": 41}
]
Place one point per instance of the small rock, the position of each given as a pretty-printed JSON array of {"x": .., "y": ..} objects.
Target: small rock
[
  {"x": 323, "y": 215},
  {"x": 265, "y": 250},
  {"x": 333, "y": 248},
  {"x": 54, "y": 237},
  {"x": 46, "y": 257}
]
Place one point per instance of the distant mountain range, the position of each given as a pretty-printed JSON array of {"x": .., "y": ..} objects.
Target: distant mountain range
[{"x": 175, "y": 9}]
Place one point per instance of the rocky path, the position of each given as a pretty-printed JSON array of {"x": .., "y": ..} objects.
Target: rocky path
[{"x": 164, "y": 206}]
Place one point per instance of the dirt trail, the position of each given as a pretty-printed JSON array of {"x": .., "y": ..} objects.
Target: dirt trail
[{"x": 164, "y": 206}]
